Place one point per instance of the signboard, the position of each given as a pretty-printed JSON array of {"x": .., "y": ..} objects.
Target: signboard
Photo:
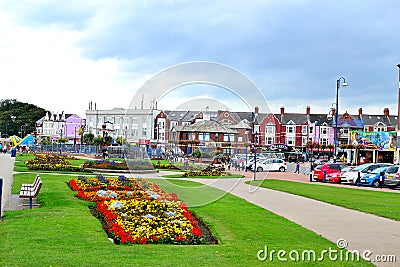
[
  {"x": 144, "y": 142},
  {"x": 278, "y": 147},
  {"x": 374, "y": 140}
]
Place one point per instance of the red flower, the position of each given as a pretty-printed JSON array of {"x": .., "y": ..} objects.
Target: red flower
[{"x": 197, "y": 231}]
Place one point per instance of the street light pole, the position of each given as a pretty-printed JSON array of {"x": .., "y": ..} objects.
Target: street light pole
[{"x": 336, "y": 141}]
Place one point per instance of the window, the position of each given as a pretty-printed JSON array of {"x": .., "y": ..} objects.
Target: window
[
  {"x": 304, "y": 129},
  {"x": 270, "y": 129},
  {"x": 324, "y": 130},
  {"x": 126, "y": 120},
  {"x": 205, "y": 137},
  {"x": 269, "y": 140},
  {"x": 229, "y": 137},
  {"x": 379, "y": 129},
  {"x": 311, "y": 129},
  {"x": 303, "y": 140},
  {"x": 290, "y": 129},
  {"x": 290, "y": 140},
  {"x": 324, "y": 141}
]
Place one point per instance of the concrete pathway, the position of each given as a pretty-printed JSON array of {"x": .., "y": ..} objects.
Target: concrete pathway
[
  {"x": 6, "y": 172},
  {"x": 361, "y": 231}
]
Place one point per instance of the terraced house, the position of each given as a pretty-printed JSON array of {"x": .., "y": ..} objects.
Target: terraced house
[{"x": 304, "y": 132}]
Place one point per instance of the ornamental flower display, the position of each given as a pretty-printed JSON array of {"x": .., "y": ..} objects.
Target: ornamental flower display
[
  {"x": 50, "y": 162},
  {"x": 136, "y": 211},
  {"x": 132, "y": 164}
]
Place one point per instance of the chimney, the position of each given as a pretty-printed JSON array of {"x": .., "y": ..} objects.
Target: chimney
[
  {"x": 282, "y": 110},
  {"x": 360, "y": 111},
  {"x": 386, "y": 112},
  {"x": 308, "y": 110},
  {"x": 256, "y": 109}
]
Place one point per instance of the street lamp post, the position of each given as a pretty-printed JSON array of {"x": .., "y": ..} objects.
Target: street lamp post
[
  {"x": 255, "y": 155},
  {"x": 247, "y": 141},
  {"x": 336, "y": 141}
]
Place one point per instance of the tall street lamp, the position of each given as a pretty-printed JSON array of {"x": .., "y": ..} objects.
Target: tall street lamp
[{"x": 336, "y": 142}]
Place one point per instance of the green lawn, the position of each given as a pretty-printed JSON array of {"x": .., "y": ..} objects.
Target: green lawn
[
  {"x": 62, "y": 232},
  {"x": 385, "y": 204}
]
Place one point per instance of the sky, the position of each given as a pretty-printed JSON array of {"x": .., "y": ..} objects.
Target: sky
[{"x": 61, "y": 55}]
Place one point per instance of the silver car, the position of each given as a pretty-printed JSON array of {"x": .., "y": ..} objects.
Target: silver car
[
  {"x": 350, "y": 177},
  {"x": 392, "y": 177}
]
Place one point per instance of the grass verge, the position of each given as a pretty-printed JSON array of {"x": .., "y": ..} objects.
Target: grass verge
[
  {"x": 62, "y": 232},
  {"x": 384, "y": 204}
]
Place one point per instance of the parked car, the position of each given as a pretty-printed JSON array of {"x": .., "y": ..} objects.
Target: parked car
[
  {"x": 335, "y": 176},
  {"x": 373, "y": 178},
  {"x": 330, "y": 168},
  {"x": 296, "y": 157},
  {"x": 271, "y": 165},
  {"x": 351, "y": 176},
  {"x": 392, "y": 177}
]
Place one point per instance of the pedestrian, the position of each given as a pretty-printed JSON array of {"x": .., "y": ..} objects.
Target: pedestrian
[
  {"x": 307, "y": 169},
  {"x": 297, "y": 168},
  {"x": 381, "y": 179}
]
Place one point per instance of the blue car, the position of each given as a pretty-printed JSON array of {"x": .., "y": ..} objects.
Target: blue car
[{"x": 372, "y": 178}]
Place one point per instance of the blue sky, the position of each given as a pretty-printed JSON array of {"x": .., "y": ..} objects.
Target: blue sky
[{"x": 61, "y": 55}]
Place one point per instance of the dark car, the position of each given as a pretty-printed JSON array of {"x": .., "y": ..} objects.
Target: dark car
[
  {"x": 329, "y": 168},
  {"x": 295, "y": 157},
  {"x": 392, "y": 176}
]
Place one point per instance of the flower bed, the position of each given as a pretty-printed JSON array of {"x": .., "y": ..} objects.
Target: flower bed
[
  {"x": 49, "y": 162},
  {"x": 115, "y": 165},
  {"x": 139, "y": 212},
  {"x": 209, "y": 171}
]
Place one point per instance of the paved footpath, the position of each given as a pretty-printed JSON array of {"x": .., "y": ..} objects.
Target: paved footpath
[
  {"x": 360, "y": 230},
  {"x": 6, "y": 172}
]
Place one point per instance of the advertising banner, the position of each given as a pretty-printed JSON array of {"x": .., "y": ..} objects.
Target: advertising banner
[{"x": 374, "y": 140}]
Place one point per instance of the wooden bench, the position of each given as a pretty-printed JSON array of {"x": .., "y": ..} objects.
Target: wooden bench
[
  {"x": 29, "y": 186},
  {"x": 31, "y": 191}
]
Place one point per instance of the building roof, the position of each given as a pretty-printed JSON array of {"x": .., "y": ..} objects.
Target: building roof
[
  {"x": 368, "y": 119},
  {"x": 206, "y": 127}
]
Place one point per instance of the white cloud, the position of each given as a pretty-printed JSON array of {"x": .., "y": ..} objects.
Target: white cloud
[{"x": 62, "y": 55}]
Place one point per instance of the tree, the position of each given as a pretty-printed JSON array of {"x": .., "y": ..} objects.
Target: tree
[
  {"x": 107, "y": 140},
  {"x": 63, "y": 140},
  {"x": 45, "y": 141},
  {"x": 80, "y": 132},
  {"x": 98, "y": 141},
  {"x": 17, "y": 116},
  {"x": 88, "y": 138},
  {"x": 120, "y": 140},
  {"x": 196, "y": 154}
]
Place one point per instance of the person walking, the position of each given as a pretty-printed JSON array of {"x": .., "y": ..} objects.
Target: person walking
[
  {"x": 307, "y": 169},
  {"x": 297, "y": 168}
]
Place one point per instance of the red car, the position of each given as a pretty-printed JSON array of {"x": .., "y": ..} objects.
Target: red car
[
  {"x": 335, "y": 176},
  {"x": 330, "y": 168}
]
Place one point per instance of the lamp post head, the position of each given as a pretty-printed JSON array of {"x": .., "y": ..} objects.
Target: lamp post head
[{"x": 344, "y": 84}]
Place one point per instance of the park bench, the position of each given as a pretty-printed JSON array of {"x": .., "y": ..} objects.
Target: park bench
[
  {"x": 29, "y": 186},
  {"x": 31, "y": 191}
]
